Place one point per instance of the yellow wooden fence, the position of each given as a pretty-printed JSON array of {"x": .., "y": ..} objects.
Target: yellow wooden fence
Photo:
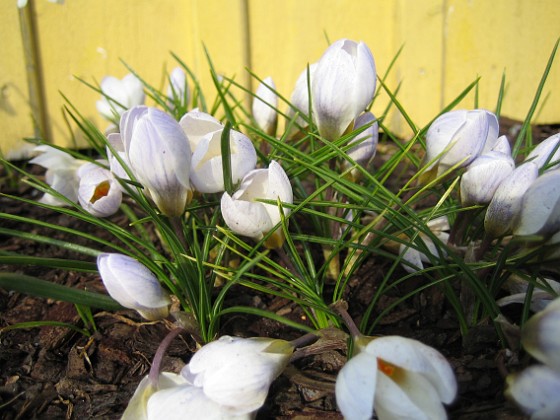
[{"x": 447, "y": 45}]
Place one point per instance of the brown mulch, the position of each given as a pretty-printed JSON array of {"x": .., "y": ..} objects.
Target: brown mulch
[{"x": 56, "y": 373}]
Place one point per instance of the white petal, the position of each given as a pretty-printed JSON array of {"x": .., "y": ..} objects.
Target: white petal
[
  {"x": 197, "y": 124},
  {"x": 355, "y": 387},
  {"x": 245, "y": 217},
  {"x": 546, "y": 150},
  {"x": 411, "y": 256},
  {"x": 265, "y": 104},
  {"x": 541, "y": 335}
]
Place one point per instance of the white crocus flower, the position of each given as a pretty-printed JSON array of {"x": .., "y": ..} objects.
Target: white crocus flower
[
  {"x": 236, "y": 373},
  {"x": 178, "y": 90},
  {"x": 396, "y": 377},
  {"x": 536, "y": 388},
  {"x": 248, "y": 217},
  {"x": 546, "y": 152},
  {"x": 540, "y": 207},
  {"x": 197, "y": 124},
  {"x": 119, "y": 95},
  {"x": 61, "y": 174},
  {"x": 366, "y": 143},
  {"x": 264, "y": 106},
  {"x": 299, "y": 100},
  {"x": 98, "y": 192},
  {"x": 159, "y": 154},
  {"x": 457, "y": 138},
  {"x": 483, "y": 177},
  {"x": 342, "y": 86},
  {"x": 134, "y": 286},
  {"x": 413, "y": 259},
  {"x": 506, "y": 202}
]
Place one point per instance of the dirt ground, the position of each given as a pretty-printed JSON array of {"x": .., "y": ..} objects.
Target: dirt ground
[{"x": 56, "y": 373}]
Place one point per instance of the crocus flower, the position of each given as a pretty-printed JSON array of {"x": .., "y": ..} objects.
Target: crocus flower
[
  {"x": 456, "y": 138},
  {"x": 506, "y": 202},
  {"x": 61, "y": 174},
  {"x": 119, "y": 95},
  {"x": 99, "y": 193},
  {"x": 396, "y": 377},
  {"x": 299, "y": 100},
  {"x": 134, "y": 286},
  {"x": 206, "y": 172},
  {"x": 178, "y": 90},
  {"x": 546, "y": 152},
  {"x": 539, "y": 214},
  {"x": 342, "y": 86},
  {"x": 483, "y": 177},
  {"x": 159, "y": 154},
  {"x": 264, "y": 106},
  {"x": 535, "y": 389},
  {"x": 248, "y": 217},
  {"x": 366, "y": 143}
]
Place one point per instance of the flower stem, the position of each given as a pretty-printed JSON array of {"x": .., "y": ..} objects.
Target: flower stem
[
  {"x": 156, "y": 363},
  {"x": 341, "y": 307},
  {"x": 304, "y": 340}
]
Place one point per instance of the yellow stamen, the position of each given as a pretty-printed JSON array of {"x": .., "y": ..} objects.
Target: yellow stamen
[{"x": 100, "y": 191}]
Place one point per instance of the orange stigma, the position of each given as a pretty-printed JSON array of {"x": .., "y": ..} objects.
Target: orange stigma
[
  {"x": 385, "y": 367},
  {"x": 100, "y": 191}
]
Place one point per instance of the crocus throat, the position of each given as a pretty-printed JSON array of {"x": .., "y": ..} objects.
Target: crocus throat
[
  {"x": 386, "y": 367},
  {"x": 100, "y": 191}
]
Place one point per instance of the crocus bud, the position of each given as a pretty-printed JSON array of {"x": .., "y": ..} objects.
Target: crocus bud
[
  {"x": 134, "y": 286},
  {"x": 207, "y": 174},
  {"x": 456, "y": 138},
  {"x": 119, "y": 95},
  {"x": 61, "y": 174},
  {"x": 248, "y": 217},
  {"x": 99, "y": 193},
  {"x": 483, "y": 176},
  {"x": 178, "y": 91},
  {"x": 540, "y": 207},
  {"x": 299, "y": 100},
  {"x": 535, "y": 390},
  {"x": 160, "y": 156},
  {"x": 264, "y": 106},
  {"x": 366, "y": 143},
  {"x": 506, "y": 203},
  {"x": 540, "y": 335},
  {"x": 115, "y": 140},
  {"x": 236, "y": 373},
  {"x": 546, "y": 152},
  {"x": 396, "y": 377},
  {"x": 343, "y": 85}
]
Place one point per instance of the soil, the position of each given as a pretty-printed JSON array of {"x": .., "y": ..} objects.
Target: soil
[{"x": 56, "y": 373}]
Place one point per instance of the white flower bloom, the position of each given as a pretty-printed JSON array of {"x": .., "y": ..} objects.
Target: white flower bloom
[
  {"x": 98, "y": 192},
  {"x": 366, "y": 143},
  {"x": 61, "y": 174},
  {"x": 265, "y": 104},
  {"x": 178, "y": 90},
  {"x": 299, "y": 99},
  {"x": 540, "y": 207},
  {"x": 134, "y": 286},
  {"x": 197, "y": 124},
  {"x": 536, "y": 391},
  {"x": 483, "y": 176},
  {"x": 458, "y": 137},
  {"x": 119, "y": 95},
  {"x": 236, "y": 373},
  {"x": 541, "y": 335},
  {"x": 159, "y": 154},
  {"x": 396, "y": 377},
  {"x": 506, "y": 202},
  {"x": 546, "y": 151},
  {"x": 343, "y": 85},
  {"x": 246, "y": 216}
]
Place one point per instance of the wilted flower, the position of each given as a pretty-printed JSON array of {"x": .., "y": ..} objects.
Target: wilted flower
[
  {"x": 483, "y": 176},
  {"x": 178, "y": 90},
  {"x": 366, "y": 143},
  {"x": 536, "y": 388},
  {"x": 206, "y": 172},
  {"x": 248, "y": 217},
  {"x": 264, "y": 106},
  {"x": 540, "y": 207},
  {"x": 540, "y": 296},
  {"x": 397, "y": 377},
  {"x": 61, "y": 174},
  {"x": 99, "y": 193},
  {"x": 413, "y": 259},
  {"x": 546, "y": 152},
  {"x": 159, "y": 154},
  {"x": 506, "y": 203},
  {"x": 342, "y": 86},
  {"x": 119, "y": 95},
  {"x": 457, "y": 138},
  {"x": 134, "y": 286}
]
